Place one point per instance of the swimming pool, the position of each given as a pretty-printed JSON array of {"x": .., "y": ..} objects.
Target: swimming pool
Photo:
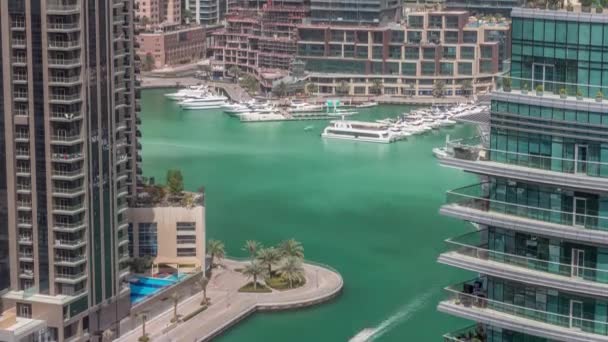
[{"x": 144, "y": 287}]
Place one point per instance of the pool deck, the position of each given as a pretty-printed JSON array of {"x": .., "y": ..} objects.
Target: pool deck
[{"x": 230, "y": 306}]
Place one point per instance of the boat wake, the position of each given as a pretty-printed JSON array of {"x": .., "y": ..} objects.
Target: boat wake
[{"x": 403, "y": 314}]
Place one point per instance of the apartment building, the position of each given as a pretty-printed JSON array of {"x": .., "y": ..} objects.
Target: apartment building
[
  {"x": 206, "y": 12},
  {"x": 156, "y": 12},
  {"x": 541, "y": 203},
  {"x": 69, "y": 165},
  {"x": 368, "y": 12},
  {"x": 260, "y": 39},
  {"x": 409, "y": 57},
  {"x": 170, "y": 46},
  {"x": 490, "y": 7}
]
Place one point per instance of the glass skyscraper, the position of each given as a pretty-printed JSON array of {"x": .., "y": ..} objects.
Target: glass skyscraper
[{"x": 541, "y": 207}]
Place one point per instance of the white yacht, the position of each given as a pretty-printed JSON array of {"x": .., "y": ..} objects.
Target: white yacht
[
  {"x": 367, "y": 104},
  {"x": 302, "y": 108},
  {"x": 205, "y": 102},
  {"x": 191, "y": 92},
  {"x": 360, "y": 131}
]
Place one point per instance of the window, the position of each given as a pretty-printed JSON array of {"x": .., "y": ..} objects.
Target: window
[
  {"x": 465, "y": 68},
  {"x": 186, "y": 226},
  {"x": 186, "y": 239},
  {"x": 415, "y": 21},
  {"x": 469, "y": 37},
  {"x": 449, "y": 52},
  {"x": 428, "y": 53},
  {"x": 412, "y": 53},
  {"x": 451, "y": 37},
  {"x": 428, "y": 68},
  {"x": 24, "y": 310},
  {"x": 447, "y": 69},
  {"x": 394, "y": 52},
  {"x": 182, "y": 252},
  {"x": 148, "y": 239},
  {"x": 408, "y": 69},
  {"x": 486, "y": 52}
]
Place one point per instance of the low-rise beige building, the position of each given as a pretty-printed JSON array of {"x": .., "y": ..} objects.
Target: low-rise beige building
[
  {"x": 159, "y": 11},
  {"x": 170, "y": 46},
  {"x": 174, "y": 235}
]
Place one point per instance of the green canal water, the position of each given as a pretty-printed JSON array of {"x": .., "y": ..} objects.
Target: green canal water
[{"x": 368, "y": 210}]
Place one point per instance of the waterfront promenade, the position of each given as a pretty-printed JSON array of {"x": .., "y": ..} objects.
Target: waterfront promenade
[{"x": 230, "y": 306}]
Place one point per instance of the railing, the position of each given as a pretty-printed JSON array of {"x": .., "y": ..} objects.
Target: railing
[
  {"x": 73, "y": 207},
  {"x": 69, "y": 190},
  {"x": 64, "y": 43},
  {"x": 68, "y": 243},
  {"x": 590, "y": 168},
  {"x": 471, "y": 245},
  {"x": 63, "y": 26},
  {"x": 26, "y": 255},
  {"x": 23, "y": 170},
  {"x": 65, "y": 97},
  {"x": 64, "y": 61},
  {"x": 19, "y": 135},
  {"x": 19, "y": 59},
  {"x": 25, "y": 238},
  {"x": 64, "y": 79},
  {"x": 66, "y": 138},
  {"x": 68, "y": 173},
  {"x": 70, "y": 276},
  {"x": 66, "y": 115},
  {"x": 68, "y": 225},
  {"x": 457, "y": 295},
  {"x": 474, "y": 196},
  {"x": 23, "y": 204},
  {"x": 66, "y": 156},
  {"x": 542, "y": 87},
  {"x": 69, "y": 259},
  {"x": 18, "y": 42},
  {"x": 24, "y": 186},
  {"x": 63, "y": 6}
]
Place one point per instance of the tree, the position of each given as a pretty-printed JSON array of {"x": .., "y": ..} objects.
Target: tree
[
  {"x": 250, "y": 84},
  {"x": 145, "y": 20},
  {"x": 175, "y": 298},
  {"x": 140, "y": 264},
  {"x": 235, "y": 71},
  {"x": 438, "y": 89},
  {"x": 377, "y": 87},
  {"x": 175, "y": 182},
  {"x": 254, "y": 270},
  {"x": 144, "y": 317},
  {"x": 343, "y": 88},
  {"x": 312, "y": 88},
  {"x": 186, "y": 15},
  {"x": 269, "y": 257},
  {"x": 202, "y": 283},
  {"x": 281, "y": 89},
  {"x": 206, "y": 69},
  {"x": 291, "y": 248},
  {"x": 466, "y": 87},
  {"x": 108, "y": 335},
  {"x": 412, "y": 91},
  {"x": 292, "y": 270},
  {"x": 215, "y": 249},
  {"x": 149, "y": 62},
  {"x": 252, "y": 247}
]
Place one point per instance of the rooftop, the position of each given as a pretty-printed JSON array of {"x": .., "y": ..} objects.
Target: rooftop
[{"x": 159, "y": 196}]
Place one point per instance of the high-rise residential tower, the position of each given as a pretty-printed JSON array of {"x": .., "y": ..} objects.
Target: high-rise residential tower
[
  {"x": 206, "y": 12},
  {"x": 541, "y": 205},
  {"x": 69, "y": 163}
]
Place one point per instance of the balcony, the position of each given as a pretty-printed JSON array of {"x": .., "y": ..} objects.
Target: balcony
[
  {"x": 23, "y": 188},
  {"x": 64, "y": 62},
  {"x": 471, "y": 204},
  {"x": 62, "y": 116},
  {"x": 68, "y": 174},
  {"x": 64, "y": 44},
  {"x": 586, "y": 94},
  {"x": 69, "y": 244},
  {"x": 65, "y": 98},
  {"x": 63, "y": 7},
  {"x": 27, "y": 257},
  {"x": 23, "y": 171},
  {"x": 68, "y": 209},
  {"x": 22, "y": 136},
  {"x": 63, "y": 26},
  {"x": 18, "y": 25},
  {"x": 471, "y": 253},
  {"x": 19, "y": 78},
  {"x": 70, "y": 278},
  {"x": 66, "y": 139},
  {"x": 24, "y": 205},
  {"x": 69, "y": 227},
  {"x": 67, "y": 157},
  {"x": 470, "y": 302},
  {"x": 69, "y": 260},
  {"x": 581, "y": 174},
  {"x": 19, "y": 60},
  {"x": 22, "y": 154},
  {"x": 26, "y": 274},
  {"x": 20, "y": 96},
  {"x": 68, "y": 192},
  {"x": 24, "y": 222},
  {"x": 26, "y": 239},
  {"x": 18, "y": 43},
  {"x": 64, "y": 80}
]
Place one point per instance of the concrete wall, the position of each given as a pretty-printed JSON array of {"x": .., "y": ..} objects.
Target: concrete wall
[{"x": 166, "y": 219}]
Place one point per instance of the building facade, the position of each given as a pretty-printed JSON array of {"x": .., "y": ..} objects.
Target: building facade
[
  {"x": 261, "y": 41},
  {"x": 490, "y": 7},
  {"x": 407, "y": 58},
  {"x": 156, "y": 12},
  {"x": 173, "y": 236},
  {"x": 541, "y": 206},
  {"x": 69, "y": 149},
  {"x": 368, "y": 12},
  {"x": 206, "y": 12},
  {"x": 171, "y": 46}
]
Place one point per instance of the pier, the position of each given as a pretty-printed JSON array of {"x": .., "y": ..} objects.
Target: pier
[
  {"x": 234, "y": 91},
  {"x": 229, "y": 307}
]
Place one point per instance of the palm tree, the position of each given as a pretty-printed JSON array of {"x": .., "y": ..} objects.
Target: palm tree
[
  {"x": 252, "y": 247},
  {"x": 235, "y": 71},
  {"x": 269, "y": 257},
  {"x": 254, "y": 270},
  {"x": 343, "y": 88},
  {"x": 292, "y": 270},
  {"x": 144, "y": 317},
  {"x": 281, "y": 89},
  {"x": 438, "y": 89},
  {"x": 312, "y": 88},
  {"x": 215, "y": 249},
  {"x": 175, "y": 298},
  {"x": 377, "y": 87},
  {"x": 202, "y": 283},
  {"x": 108, "y": 335},
  {"x": 466, "y": 87},
  {"x": 291, "y": 248}
]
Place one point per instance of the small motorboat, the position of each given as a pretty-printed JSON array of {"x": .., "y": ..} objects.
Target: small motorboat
[{"x": 367, "y": 104}]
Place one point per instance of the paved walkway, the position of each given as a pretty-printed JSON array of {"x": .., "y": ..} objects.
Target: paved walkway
[{"x": 230, "y": 306}]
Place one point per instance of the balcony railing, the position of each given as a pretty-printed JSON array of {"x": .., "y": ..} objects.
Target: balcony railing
[
  {"x": 473, "y": 197},
  {"x": 63, "y": 44},
  {"x": 66, "y": 207},
  {"x": 68, "y": 243},
  {"x": 70, "y": 276},
  {"x": 64, "y": 61},
  {"x": 66, "y": 156},
  {"x": 68, "y": 173},
  {"x": 72, "y": 259},
  {"x": 551, "y": 88},
  {"x": 468, "y": 296},
  {"x": 471, "y": 245},
  {"x": 460, "y": 149},
  {"x": 64, "y": 79},
  {"x": 68, "y": 225},
  {"x": 69, "y": 191},
  {"x": 63, "y": 26},
  {"x": 65, "y": 97}
]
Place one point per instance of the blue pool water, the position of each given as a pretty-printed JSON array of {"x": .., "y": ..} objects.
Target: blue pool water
[{"x": 144, "y": 287}]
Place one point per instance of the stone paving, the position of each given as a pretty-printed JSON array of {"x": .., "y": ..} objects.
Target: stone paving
[{"x": 230, "y": 306}]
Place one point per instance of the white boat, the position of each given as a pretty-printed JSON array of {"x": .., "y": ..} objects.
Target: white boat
[
  {"x": 342, "y": 112},
  {"x": 304, "y": 107},
  {"x": 367, "y": 104},
  {"x": 206, "y": 102},
  {"x": 359, "y": 131},
  {"x": 191, "y": 92}
]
